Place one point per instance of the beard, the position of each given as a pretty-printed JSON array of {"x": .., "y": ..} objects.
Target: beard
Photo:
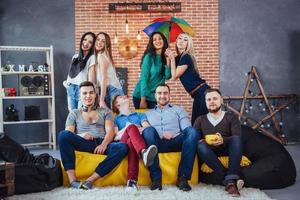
[
  {"x": 163, "y": 101},
  {"x": 214, "y": 110}
]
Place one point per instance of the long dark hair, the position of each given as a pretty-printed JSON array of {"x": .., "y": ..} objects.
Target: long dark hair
[
  {"x": 107, "y": 49},
  {"x": 151, "y": 51},
  {"x": 78, "y": 64}
]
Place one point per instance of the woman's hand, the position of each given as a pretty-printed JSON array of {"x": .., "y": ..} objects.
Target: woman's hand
[
  {"x": 143, "y": 103},
  {"x": 102, "y": 104},
  {"x": 169, "y": 54}
]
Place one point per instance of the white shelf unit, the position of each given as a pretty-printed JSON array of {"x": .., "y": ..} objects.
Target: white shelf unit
[{"x": 50, "y": 98}]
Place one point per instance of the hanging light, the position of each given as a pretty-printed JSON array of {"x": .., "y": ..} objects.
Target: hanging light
[
  {"x": 126, "y": 26},
  {"x": 116, "y": 38},
  {"x": 138, "y": 36}
]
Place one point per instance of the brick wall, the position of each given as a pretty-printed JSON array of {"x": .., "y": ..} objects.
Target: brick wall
[{"x": 202, "y": 15}]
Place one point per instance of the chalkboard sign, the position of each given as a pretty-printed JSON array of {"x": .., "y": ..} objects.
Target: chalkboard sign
[{"x": 122, "y": 74}]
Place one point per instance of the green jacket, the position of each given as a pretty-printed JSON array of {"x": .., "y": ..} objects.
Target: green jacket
[{"x": 151, "y": 77}]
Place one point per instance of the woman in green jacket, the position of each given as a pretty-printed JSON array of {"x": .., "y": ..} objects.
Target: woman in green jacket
[{"x": 154, "y": 71}]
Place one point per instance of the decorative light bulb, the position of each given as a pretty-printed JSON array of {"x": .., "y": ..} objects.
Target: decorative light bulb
[
  {"x": 138, "y": 36},
  {"x": 250, "y": 106},
  {"x": 126, "y": 26},
  {"x": 250, "y": 92},
  {"x": 280, "y": 123},
  {"x": 247, "y": 73}
]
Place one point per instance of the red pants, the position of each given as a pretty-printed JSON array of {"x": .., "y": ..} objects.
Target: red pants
[{"x": 136, "y": 143}]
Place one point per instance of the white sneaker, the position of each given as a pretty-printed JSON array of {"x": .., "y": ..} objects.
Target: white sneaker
[
  {"x": 132, "y": 185},
  {"x": 148, "y": 155},
  {"x": 239, "y": 184}
]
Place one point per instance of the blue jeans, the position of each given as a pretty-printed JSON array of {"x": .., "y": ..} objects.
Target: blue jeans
[
  {"x": 136, "y": 103},
  {"x": 69, "y": 142},
  {"x": 199, "y": 104},
  {"x": 233, "y": 149},
  {"x": 73, "y": 96},
  {"x": 111, "y": 92},
  {"x": 186, "y": 143}
]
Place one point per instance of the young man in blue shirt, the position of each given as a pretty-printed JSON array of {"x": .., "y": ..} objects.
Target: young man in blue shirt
[
  {"x": 174, "y": 133},
  {"x": 129, "y": 126}
]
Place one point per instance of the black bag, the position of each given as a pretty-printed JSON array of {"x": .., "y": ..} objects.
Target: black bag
[
  {"x": 43, "y": 175},
  {"x": 11, "y": 151},
  {"x": 32, "y": 173}
]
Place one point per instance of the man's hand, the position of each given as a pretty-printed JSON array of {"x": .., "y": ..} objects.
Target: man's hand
[
  {"x": 218, "y": 142},
  {"x": 87, "y": 136},
  {"x": 167, "y": 135},
  {"x": 140, "y": 129},
  {"x": 100, "y": 149}
]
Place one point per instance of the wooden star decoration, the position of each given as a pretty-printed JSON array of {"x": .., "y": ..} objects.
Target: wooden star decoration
[{"x": 277, "y": 136}]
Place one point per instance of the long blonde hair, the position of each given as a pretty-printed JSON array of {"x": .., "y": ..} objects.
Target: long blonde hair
[
  {"x": 107, "y": 48},
  {"x": 189, "y": 50}
]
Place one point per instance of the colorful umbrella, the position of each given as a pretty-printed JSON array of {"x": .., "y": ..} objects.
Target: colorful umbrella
[{"x": 171, "y": 27}]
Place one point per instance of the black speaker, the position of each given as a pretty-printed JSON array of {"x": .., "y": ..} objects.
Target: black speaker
[
  {"x": 34, "y": 85},
  {"x": 32, "y": 113}
]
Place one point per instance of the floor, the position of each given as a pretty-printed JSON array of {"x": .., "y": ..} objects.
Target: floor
[{"x": 288, "y": 193}]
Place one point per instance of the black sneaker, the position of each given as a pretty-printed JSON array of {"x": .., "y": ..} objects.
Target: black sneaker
[
  {"x": 87, "y": 185},
  {"x": 182, "y": 184},
  {"x": 132, "y": 185},
  {"x": 156, "y": 185}
]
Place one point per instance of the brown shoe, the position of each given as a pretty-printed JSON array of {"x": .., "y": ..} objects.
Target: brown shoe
[{"x": 232, "y": 189}]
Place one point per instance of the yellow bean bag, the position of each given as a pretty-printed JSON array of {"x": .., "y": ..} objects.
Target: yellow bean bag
[
  {"x": 224, "y": 160},
  {"x": 86, "y": 164}
]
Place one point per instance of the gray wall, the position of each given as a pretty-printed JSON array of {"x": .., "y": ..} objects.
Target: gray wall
[
  {"x": 39, "y": 23},
  {"x": 265, "y": 34},
  {"x": 252, "y": 32}
]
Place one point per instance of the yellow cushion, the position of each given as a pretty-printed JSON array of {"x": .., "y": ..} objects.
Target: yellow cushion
[
  {"x": 224, "y": 160},
  {"x": 141, "y": 110},
  {"x": 86, "y": 164}
]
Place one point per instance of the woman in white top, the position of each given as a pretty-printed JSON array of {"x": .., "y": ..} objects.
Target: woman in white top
[
  {"x": 79, "y": 69},
  {"x": 102, "y": 72}
]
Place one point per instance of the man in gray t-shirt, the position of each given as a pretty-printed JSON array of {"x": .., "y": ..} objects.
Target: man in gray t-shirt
[{"x": 90, "y": 129}]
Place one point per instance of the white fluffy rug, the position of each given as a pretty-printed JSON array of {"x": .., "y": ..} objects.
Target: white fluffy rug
[{"x": 199, "y": 192}]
